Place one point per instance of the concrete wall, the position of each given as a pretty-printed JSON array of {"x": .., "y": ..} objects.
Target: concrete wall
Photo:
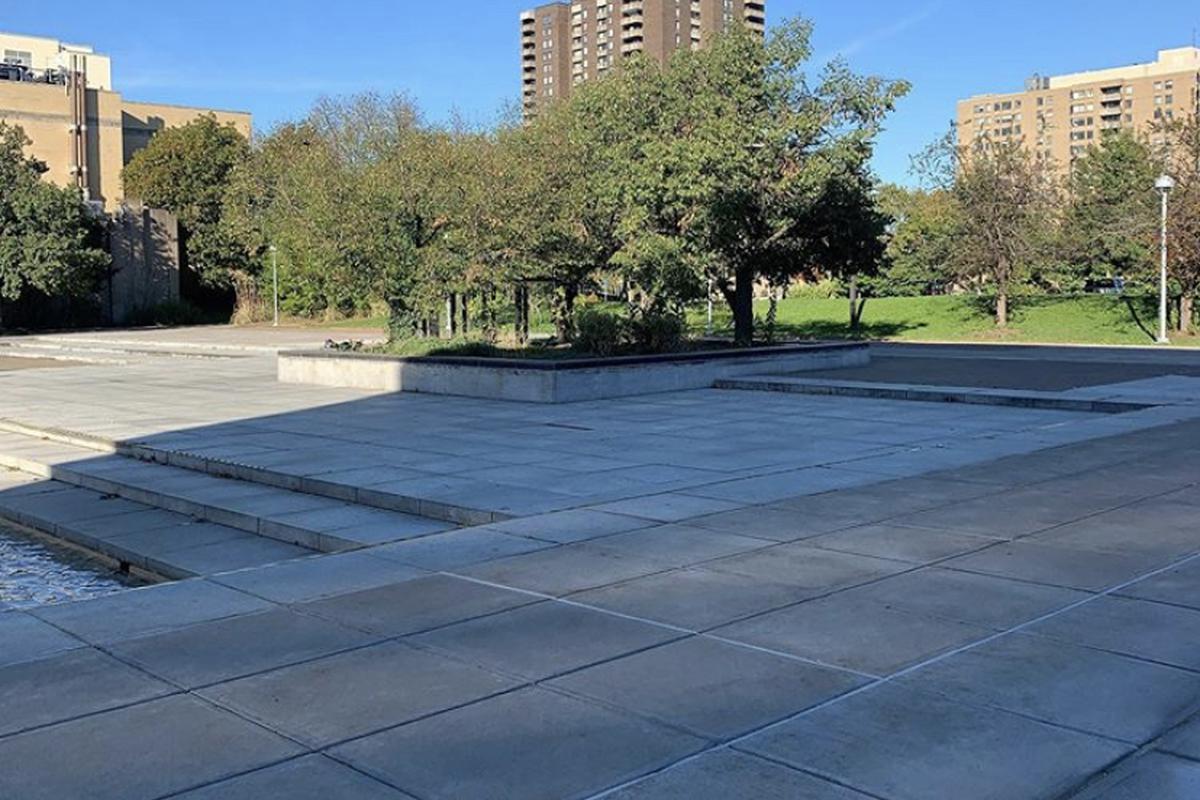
[
  {"x": 145, "y": 250},
  {"x": 140, "y": 121},
  {"x": 558, "y": 383},
  {"x": 51, "y": 54},
  {"x": 115, "y": 130}
]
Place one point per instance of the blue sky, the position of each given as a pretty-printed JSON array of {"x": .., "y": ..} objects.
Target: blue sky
[{"x": 253, "y": 56}]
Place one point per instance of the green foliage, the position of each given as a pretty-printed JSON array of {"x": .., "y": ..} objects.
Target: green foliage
[
  {"x": 188, "y": 171},
  {"x": 1111, "y": 225},
  {"x": 921, "y": 240},
  {"x": 651, "y": 331},
  {"x": 738, "y": 167},
  {"x": 50, "y": 241},
  {"x": 598, "y": 332},
  {"x": 824, "y": 289}
]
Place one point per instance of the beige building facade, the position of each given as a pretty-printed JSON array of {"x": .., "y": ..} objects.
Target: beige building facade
[
  {"x": 564, "y": 44},
  {"x": 62, "y": 96},
  {"x": 1059, "y": 118}
]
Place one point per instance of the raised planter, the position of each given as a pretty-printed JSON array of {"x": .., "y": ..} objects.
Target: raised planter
[{"x": 566, "y": 381}]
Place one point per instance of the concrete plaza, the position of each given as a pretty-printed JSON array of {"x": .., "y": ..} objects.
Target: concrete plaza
[{"x": 725, "y": 594}]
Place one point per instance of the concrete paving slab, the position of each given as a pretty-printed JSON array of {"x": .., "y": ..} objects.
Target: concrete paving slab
[
  {"x": 1176, "y": 586},
  {"x": 528, "y": 745},
  {"x": 189, "y": 742},
  {"x": 214, "y": 652},
  {"x": 564, "y": 570},
  {"x": 456, "y": 549},
  {"x": 812, "y": 568},
  {"x": 725, "y": 774},
  {"x": 510, "y": 642},
  {"x": 233, "y": 554},
  {"x": 362, "y": 524},
  {"x": 69, "y": 685},
  {"x": 1102, "y": 693},
  {"x": 1024, "y": 511},
  {"x": 764, "y": 489},
  {"x": 177, "y": 533},
  {"x": 575, "y": 525},
  {"x": 1157, "y": 776},
  {"x": 903, "y": 745},
  {"x": 27, "y": 638},
  {"x": 1150, "y": 631},
  {"x": 711, "y": 689},
  {"x": 418, "y": 605},
  {"x": 140, "y": 612},
  {"x": 1173, "y": 534},
  {"x": 668, "y": 507},
  {"x": 1184, "y": 741},
  {"x": 993, "y": 602},
  {"x": 307, "y": 579},
  {"x": 774, "y": 524},
  {"x": 854, "y": 633},
  {"x": 901, "y": 543},
  {"x": 678, "y": 545},
  {"x": 1069, "y": 567},
  {"x": 357, "y": 693},
  {"x": 308, "y": 778},
  {"x": 696, "y": 599}
]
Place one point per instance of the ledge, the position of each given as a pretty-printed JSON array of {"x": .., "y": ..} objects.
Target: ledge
[{"x": 558, "y": 381}]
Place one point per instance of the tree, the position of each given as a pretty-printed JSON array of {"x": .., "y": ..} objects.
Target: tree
[
  {"x": 50, "y": 241},
  {"x": 920, "y": 240},
  {"x": 187, "y": 170},
  {"x": 738, "y": 158},
  {"x": 1108, "y": 231},
  {"x": 572, "y": 194},
  {"x": 1006, "y": 207},
  {"x": 1182, "y": 157}
]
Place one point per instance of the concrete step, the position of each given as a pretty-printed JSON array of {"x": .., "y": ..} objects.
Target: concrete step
[
  {"x": 311, "y": 521},
  {"x": 1046, "y": 401},
  {"x": 98, "y": 352},
  {"x": 164, "y": 543},
  {"x": 378, "y": 497}
]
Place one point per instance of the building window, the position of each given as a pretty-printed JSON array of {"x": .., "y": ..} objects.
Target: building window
[{"x": 22, "y": 57}]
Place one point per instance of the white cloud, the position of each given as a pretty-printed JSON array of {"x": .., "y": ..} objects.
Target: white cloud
[{"x": 884, "y": 33}]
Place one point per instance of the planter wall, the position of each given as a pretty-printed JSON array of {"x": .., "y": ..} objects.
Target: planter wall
[{"x": 538, "y": 381}]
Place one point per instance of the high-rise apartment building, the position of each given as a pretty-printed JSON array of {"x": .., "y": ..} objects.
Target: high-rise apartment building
[
  {"x": 62, "y": 96},
  {"x": 1059, "y": 118},
  {"x": 563, "y": 44}
]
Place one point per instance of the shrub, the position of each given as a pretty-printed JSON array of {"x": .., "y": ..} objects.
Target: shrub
[
  {"x": 597, "y": 332},
  {"x": 653, "y": 332},
  {"x": 821, "y": 290}
]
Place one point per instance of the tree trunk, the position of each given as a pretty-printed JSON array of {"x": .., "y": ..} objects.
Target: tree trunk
[
  {"x": 522, "y": 302},
  {"x": 1187, "y": 310},
  {"x": 465, "y": 325},
  {"x": 743, "y": 307},
  {"x": 1002, "y": 310},
  {"x": 564, "y": 312},
  {"x": 487, "y": 315},
  {"x": 451, "y": 315}
]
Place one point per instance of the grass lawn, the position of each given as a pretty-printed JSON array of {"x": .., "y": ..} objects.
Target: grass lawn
[{"x": 1092, "y": 319}]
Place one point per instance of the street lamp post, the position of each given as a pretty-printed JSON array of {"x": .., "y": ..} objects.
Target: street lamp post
[
  {"x": 1164, "y": 185},
  {"x": 275, "y": 281}
]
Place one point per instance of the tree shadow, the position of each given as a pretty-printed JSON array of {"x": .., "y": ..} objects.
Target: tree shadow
[
  {"x": 825, "y": 330},
  {"x": 1132, "y": 303}
]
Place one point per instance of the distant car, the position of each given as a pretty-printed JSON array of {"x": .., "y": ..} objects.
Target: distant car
[{"x": 1105, "y": 286}]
